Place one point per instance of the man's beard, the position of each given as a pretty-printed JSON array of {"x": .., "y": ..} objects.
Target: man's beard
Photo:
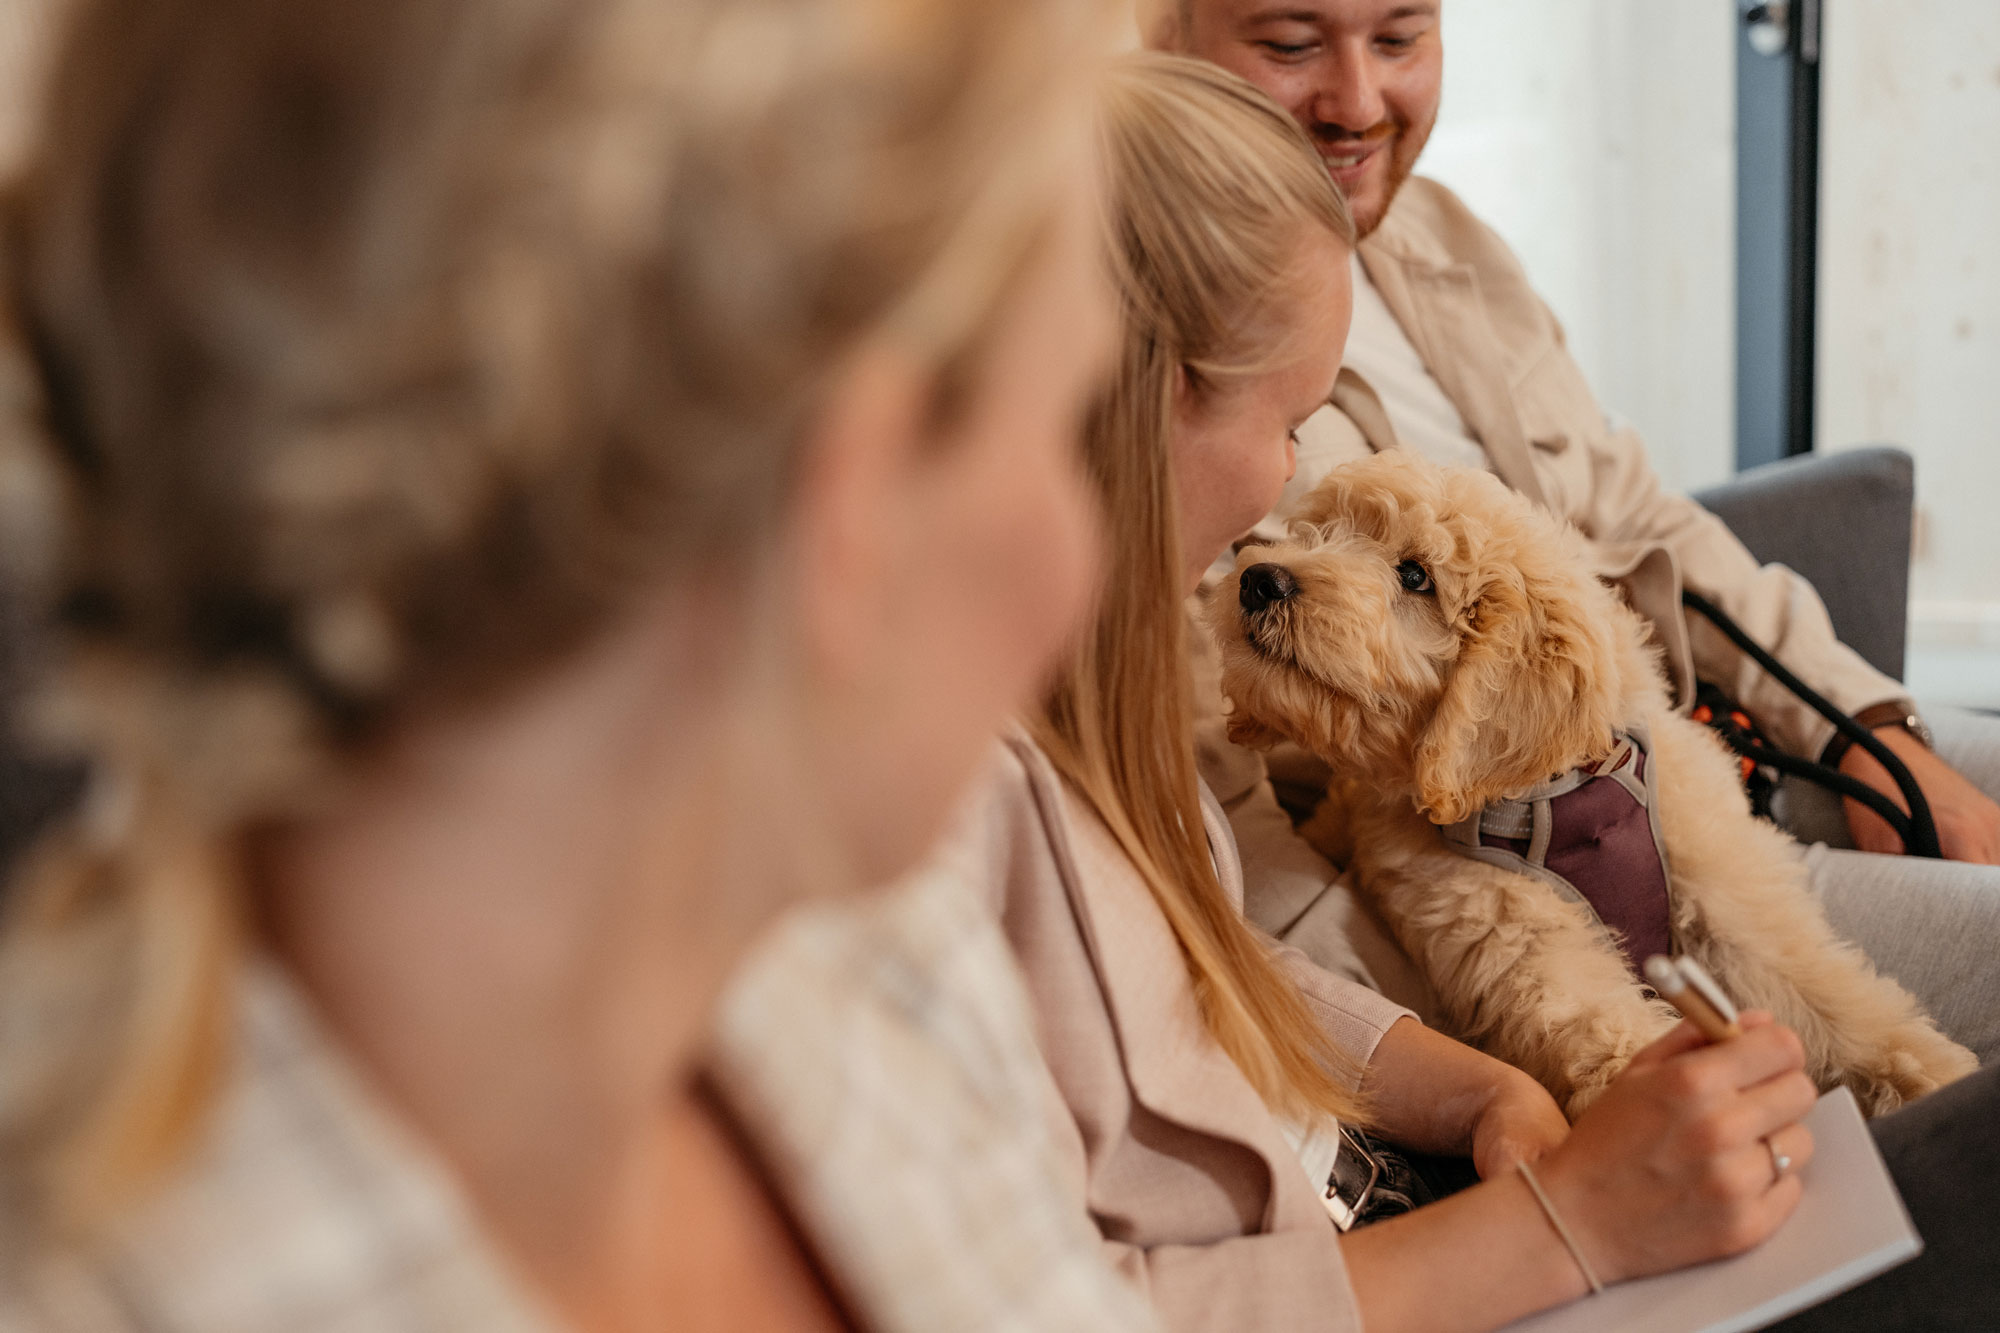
[
  {"x": 1399, "y": 172},
  {"x": 1405, "y": 145}
]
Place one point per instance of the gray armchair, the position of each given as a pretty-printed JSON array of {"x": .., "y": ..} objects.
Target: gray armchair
[{"x": 1843, "y": 521}]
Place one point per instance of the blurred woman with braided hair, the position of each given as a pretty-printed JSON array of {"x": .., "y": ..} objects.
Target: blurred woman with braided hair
[{"x": 477, "y": 463}]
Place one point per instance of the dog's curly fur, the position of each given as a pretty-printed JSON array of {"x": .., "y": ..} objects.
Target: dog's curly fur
[{"x": 1516, "y": 665}]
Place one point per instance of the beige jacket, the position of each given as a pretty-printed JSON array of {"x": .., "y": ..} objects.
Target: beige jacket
[
  {"x": 1498, "y": 353},
  {"x": 1192, "y": 1184}
]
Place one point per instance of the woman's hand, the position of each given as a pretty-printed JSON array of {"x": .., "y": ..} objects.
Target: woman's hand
[
  {"x": 1435, "y": 1095},
  {"x": 1522, "y": 1123},
  {"x": 1674, "y": 1165},
  {"x": 1667, "y": 1169}
]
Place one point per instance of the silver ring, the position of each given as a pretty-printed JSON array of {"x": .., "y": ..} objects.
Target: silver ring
[{"x": 1779, "y": 1162}]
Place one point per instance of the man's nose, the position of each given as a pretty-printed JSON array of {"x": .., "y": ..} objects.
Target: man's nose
[
  {"x": 1264, "y": 585},
  {"x": 1350, "y": 89}
]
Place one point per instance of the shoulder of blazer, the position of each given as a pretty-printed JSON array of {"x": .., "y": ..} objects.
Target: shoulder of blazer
[
  {"x": 1430, "y": 229},
  {"x": 1429, "y": 224}
]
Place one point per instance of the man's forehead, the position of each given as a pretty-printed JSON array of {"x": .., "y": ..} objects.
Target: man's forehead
[{"x": 1320, "y": 11}]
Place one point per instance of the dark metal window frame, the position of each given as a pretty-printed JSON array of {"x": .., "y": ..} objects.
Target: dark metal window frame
[{"x": 1777, "y": 230}]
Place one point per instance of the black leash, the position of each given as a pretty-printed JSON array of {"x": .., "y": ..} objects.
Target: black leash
[{"x": 1916, "y": 829}]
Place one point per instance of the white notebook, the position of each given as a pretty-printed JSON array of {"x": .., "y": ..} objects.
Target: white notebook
[{"x": 1849, "y": 1226}]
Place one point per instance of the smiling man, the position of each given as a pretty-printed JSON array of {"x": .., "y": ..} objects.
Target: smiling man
[
  {"x": 1454, "y": 355},
  {"x": 1362, "y": 78}
]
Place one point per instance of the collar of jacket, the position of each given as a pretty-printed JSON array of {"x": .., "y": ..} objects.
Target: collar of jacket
[
  {"x": 1176, "y": 1069},
  {"x": 1438, "y": 301}
]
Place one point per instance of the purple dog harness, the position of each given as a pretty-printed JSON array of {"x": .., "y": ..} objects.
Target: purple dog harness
[{"x": 1593, "y": 835}]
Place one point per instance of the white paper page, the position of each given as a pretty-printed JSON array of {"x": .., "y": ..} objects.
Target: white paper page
[{"x": 1849, "y": 1226}]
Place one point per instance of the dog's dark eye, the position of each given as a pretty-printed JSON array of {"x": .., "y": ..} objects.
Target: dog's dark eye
[{"x": 1414, "y": 577}]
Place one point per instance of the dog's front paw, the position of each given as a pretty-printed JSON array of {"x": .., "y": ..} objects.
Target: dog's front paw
[
  {"x": 1886, "y": 1086},
  {"x": 1922, "y": 1064}
]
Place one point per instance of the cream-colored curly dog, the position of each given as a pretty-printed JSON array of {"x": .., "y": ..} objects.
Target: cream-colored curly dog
[{"x": 1443, "y": 644}]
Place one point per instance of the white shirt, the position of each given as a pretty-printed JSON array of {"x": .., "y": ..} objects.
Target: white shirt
[{"x": 1380, "y": 352}]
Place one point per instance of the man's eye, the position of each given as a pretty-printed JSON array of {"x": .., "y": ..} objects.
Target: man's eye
[
  {"x": 1287, "y": 50},
  {"x": 1414, "y": 577}
]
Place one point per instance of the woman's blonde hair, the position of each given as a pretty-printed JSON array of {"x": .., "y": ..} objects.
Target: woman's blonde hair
[
  {"x": 374, "y": 352},
  {"x": 1214, "y": 193}
]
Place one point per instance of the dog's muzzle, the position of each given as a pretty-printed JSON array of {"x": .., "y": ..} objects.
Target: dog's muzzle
[{"x": 1263, "y": 586}]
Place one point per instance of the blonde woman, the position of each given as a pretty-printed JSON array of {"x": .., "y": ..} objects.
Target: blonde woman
[
  {"x": 1198, "y": 1068},
  {"x": 477, "y": 462}
]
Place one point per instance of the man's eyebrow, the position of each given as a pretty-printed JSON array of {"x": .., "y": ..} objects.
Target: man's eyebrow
[{"x": 1285, "y": 13}]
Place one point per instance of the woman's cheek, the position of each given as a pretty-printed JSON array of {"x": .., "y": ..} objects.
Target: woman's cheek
[
  {"x": 1062, "y": 544},
  {"x": 1261, "y": 482},
  {"x": 1033, "y": 555}
]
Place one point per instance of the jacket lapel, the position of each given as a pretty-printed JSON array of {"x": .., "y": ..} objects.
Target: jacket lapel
[
  {"x": 1440, "y": 307},
  {"x": 1650, "y": 576},
  {"x": 1176, "y": 1069}
]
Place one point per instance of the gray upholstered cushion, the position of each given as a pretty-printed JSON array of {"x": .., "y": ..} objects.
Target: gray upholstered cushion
[{"x": 1843, "y": 521}]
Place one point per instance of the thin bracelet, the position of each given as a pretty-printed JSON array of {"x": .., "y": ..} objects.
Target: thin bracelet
[{"x": 1561, "y": 1230}]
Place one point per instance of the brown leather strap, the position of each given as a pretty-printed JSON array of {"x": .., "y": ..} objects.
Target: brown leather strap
[{"x": 1889, "y": 714}]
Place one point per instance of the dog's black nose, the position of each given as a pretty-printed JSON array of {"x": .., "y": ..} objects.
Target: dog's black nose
[{"x": 1262, "y": 585}]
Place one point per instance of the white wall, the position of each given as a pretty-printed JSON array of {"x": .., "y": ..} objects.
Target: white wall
[
  {"x": 1910, "y": 299},
  {"x": 1598, "y": 137}
]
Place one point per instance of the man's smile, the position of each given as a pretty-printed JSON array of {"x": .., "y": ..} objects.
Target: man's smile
[{"x": 1347, "y": 159}]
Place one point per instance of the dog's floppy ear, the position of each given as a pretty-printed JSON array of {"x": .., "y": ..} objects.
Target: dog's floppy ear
[{"x": 1534, "y": 691}]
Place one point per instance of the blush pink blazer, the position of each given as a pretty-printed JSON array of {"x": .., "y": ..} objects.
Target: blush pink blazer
[{"x": 1200, "y": 1199}]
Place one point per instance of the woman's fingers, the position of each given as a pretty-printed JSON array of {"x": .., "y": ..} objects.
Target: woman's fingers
[
  {"x": 1762, "y": 1184},
  {"x": 1777, "y": 1102},
  {"x": 1765, "y": 1052},
  {"x": 1683, "y": 1037},
  {"x": 1768, "y": 1213},
  {"x": 1789, "y": 1149}
]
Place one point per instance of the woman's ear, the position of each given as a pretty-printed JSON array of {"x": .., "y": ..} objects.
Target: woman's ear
[
  {"x": 1533, "y": 693},
  {"x": 853, "y": 475}
]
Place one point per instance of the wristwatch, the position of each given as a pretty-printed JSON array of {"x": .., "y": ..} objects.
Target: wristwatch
[{"x": 1890, "y": 714}]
